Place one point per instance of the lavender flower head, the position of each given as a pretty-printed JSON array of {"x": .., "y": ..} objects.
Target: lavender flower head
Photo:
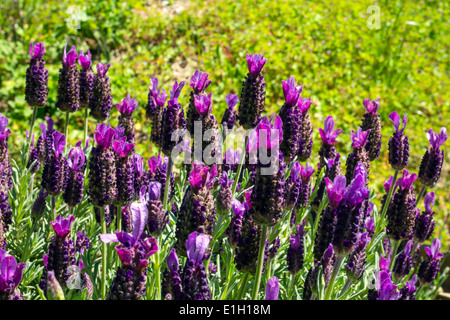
[
  {"x": 253, "y": 92},
  {"x": 61, "y": 225},
  {"x": 408, "y": 292},
  {"x": 230, "y": 116},
  {"x": 398, "y": 143},
  {"x": 234, "y": 229},
  {"x": 156, "y": 99},
  {"x": 432, "y": 161},
  {"x": 54, "y": 175},
  {"x": 359, "y": 154},
  {"x": 100, "y": 103},
  {"x": 357, "y": 259},
  {"x": 173, "y": 119},
  {"x": 86, "y": 78},
  {"x": 403, "y": 263},
  {"x": 5, "y": 166},
  {"x": 225, "y": 196},
  {"x": 296, "y": 250},
  {"x": 134, "y": 250},
  {"x": 194, "y": 279},
  {"x": 69, "y": 82},
  {"x": 402, "y": 210},
  {"x": 424, "y": 223},
  {"x": 73, "y": 193},
  {"x": 102, "y": 174},
  {"x": 36, "y": 88},
  {"x": 372, "y": 121},
  {"x": 290, "y": 115},
  {"x": 124, "y": 171},
  {"x": 430, "y": 267},
  {"x": 157, "y": 217},
  {"x": 272, "y": 289}
]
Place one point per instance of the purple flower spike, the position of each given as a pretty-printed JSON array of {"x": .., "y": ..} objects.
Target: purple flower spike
[
  {"x": 433, "y": 252},
  {"x": 62, "y": 225},
  {"x": 306, "y": 172},
  {"x": 407, "y": 180},
  {"x": 336, "y": 190},
  {"x": 395, "y": 118},
  {"x": 196, "y": 246},
  {"x": 371, "y": 106},
  {"x": 76, "y": 159},
  {"x": 429, "y": 202},
  {"x": 273, "y": 132},
  {"x": 37, "y": 50},
  {"x": 202, "y": 176},
  {"x": 85, "y": 61},
  {"x": 304, "y": 104},
  {"x": 203, "y": 104},
  {"x": 255, "y": 63},
  {"x": 359, "y": 138},
  {"x": 122, "y": 147},
  {"x": 70, "y": 58},
  {"x": 172, "y": 261},
  {"x": 102, "y": 69},
  {"x": 104, "y": 135},
  {"x": 291, "y": 91},
  {"x": 231, "y": 100},
  {"x": 327, "y": 134},
  {"x": 199, "y": 81},
  {"x": 436, "y": 140},
  {"x": 59, "y": 141},
  {"x": 127, "y": 105},
  {"x": 272, "y": 289}
]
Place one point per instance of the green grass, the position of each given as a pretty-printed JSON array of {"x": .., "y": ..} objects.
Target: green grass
[{"x": 327, "y": 47}]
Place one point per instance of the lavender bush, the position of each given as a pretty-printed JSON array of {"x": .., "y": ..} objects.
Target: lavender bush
[{"x": 254, "y": 222}]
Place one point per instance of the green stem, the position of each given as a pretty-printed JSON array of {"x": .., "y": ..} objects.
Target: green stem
[
  {"x": 53, "y": 208},
  {"x": 336, "y": 269},
  {"x": 119, "y": 218},
  {"x": 33, "y": 120},
  {"x": 86, "y": 122},
  {"x": 158, "y": 270},
  {"x": 347, "y": 285},
  {"x": 244, "y": 281},
  {"x": 421, "y": 193},
  {"x": 291, "y": 286},
  {"x": 166, "y": 187},
  {"x": 104, "y": 254},
  {"x": 66, "y": 130},
  {"x": 388, "y": 199},
  {"x": 262, "y": 245},
  {"x": 394, "y": 253},
  {"x": 241, "y": 163}
]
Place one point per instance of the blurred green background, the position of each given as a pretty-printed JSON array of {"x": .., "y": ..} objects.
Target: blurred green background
[{"x": 329, "y": 47}]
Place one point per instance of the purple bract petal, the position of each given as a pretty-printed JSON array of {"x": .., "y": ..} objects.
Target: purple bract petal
[
  {"x": 231, "y": 100},
  {"x": 371, "y": 106},
  {"x": 70, "y": 58},
  {"x": 196, "y": 246},
  {"x": 359, "y": 138},
  {"x": 37, "y": 50},
  {"x": 102, "y": 69},
  {"x": 255, "y": 63},
  {"x": 272, "y": 289},
  {"x": 127, "y": 105},
  {"x": 76, "y": 159},
  {"x": 336, "y": 190},
  {"x": 436, "y": 140},
  {"x": 203, "y": 104},
  {"x": 62, "y": 225},
  {"x": 85, "y": 61},
  {"x": 327, "y": 134},
  {"x": 429, "y": 201},
  {"x": 59, "y": 141},
  {"x": 199, "y": 81},
  {"x": 291, "y": 91},
  {"x": 172, "y": 261}
]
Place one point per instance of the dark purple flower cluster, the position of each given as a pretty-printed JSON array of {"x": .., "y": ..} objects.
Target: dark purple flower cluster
[
  {"x": 73, "y": 193},
  {"x": 36, "y": 88},
  {"x": 230, "y": 115},
  {"x": 197, "y": 211},
  {"x": 398, "y": 143},
  {"x": 431, "y": 165},
  {"x": 253, "y": 92},
  {"x": 154, "y": 110},
  {"x": 295, "y": 251},
  {"x": 189, "y": 283},
  {"x": 100, "y": 102},
  {"x": 69, "y": 82},
  {"x": 372, "y": 122},
  {"x": 54, "y": 175},
  {"x": 134, "y": 250}
]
